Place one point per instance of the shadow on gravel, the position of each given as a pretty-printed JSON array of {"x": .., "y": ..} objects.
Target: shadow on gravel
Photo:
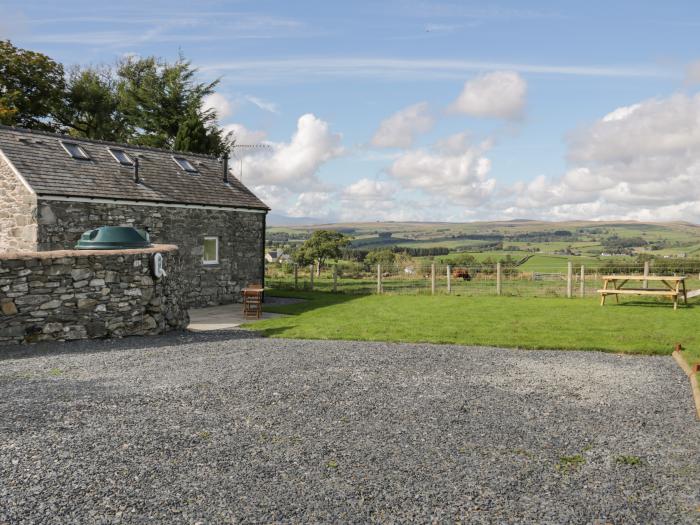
[{"x": 91, "y": 346}]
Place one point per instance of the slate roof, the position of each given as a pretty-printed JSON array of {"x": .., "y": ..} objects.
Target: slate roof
[{"x": 50, "y": 170}]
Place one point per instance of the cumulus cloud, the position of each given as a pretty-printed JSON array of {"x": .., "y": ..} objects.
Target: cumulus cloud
[
  {"x": 315, "y": 204},
  {"x": 243, "y": 135},
  {"x": 294, "y": 164},
  {"x": 218, "y": 103},
  {"x": 499, "y": 95},
  {"x": 453, "y": 169},
  {"x": 400, "y": 129},
  {"x": 637, "y": 162}
]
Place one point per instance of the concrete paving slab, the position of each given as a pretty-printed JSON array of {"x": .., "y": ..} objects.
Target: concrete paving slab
[{"x": 222, "y": 317}]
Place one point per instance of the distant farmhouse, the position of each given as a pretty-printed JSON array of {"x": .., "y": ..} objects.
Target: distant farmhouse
[
  {"x": 276, "y": 256},
  {"x": 53, "y": 188}
]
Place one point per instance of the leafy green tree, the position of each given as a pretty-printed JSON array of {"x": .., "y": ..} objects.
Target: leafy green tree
[
  {"x": 31, "y": 85},
  {"x": 90, "y": 106},
  {"x": 321, "y": 246},
  {"x": 384, "y": 256}
]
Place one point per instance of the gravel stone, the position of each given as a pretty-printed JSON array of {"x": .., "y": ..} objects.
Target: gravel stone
[{"x": 224, "y": 427}]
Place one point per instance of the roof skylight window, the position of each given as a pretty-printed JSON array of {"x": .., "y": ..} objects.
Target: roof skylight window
[
  {"x": 185, "y": 164},
  {"x": 121, "y": 156},
  {"x": 75, "y": 151}
]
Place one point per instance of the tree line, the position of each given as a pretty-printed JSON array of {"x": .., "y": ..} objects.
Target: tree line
[{"x": 145, "y": 101}]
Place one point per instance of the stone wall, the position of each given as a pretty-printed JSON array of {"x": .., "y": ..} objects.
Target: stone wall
[
  {"x": 241, "y": 237},
  {"x": 64, "y": 295},
  {"x": 17, "y": 213}
]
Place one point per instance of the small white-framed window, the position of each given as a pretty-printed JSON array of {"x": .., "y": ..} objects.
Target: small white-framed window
[
  {"x": 185, "y": 164},
  {"x": 121, "y": 156},
  {"x": 74, "y": 150},
  {"x": 211, "y": 250}
]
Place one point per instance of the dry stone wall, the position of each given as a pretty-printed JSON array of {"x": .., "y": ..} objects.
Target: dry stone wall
[
  {"x": 18, "y": 228},
  {"x": 65, "y": 295}
]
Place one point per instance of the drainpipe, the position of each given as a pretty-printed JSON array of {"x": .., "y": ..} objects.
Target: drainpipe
[{"x": 262, "y": 255}]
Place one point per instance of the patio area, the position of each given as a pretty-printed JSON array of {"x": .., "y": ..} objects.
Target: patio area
[{"x": 228, "y": 316}]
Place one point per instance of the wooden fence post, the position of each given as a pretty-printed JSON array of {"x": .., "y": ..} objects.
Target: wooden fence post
[
  {"x": 449, "y": 280},
  {"x": 311, "y": 277},
  {"x": 379, "y": 278},
  {"x": 498, "y": 278},
  {"x": 583, "y": 282},
  {"x": 432, "y": 279},
  {"x": 335, "y": 278},
  {"x": 296, "y": 276},
  {"x": 569, "y": 279},
  {"x": 645, "y": 284}
]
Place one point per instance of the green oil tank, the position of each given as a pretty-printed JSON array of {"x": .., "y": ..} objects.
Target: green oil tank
[{"x": 114, "y": 238}]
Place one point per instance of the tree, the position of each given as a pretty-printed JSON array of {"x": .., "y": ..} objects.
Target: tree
[
  {"x": 194, "y": 136},
  {"x": 90, "y": 106},
  {"x": 384, "y": 256},
  {"x": 321, "y": 246},
  {"x": 158, "y": 97},
  {"x": 31, "y": 85}
]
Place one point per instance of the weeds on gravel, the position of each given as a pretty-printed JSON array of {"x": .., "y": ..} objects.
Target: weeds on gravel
[
  {"x": 55, "y": 372},
  {"x": 332, "y": 464},
  {"x": 629, "y": 460},
  {"x": 204, "y": 434},
  {"x": 569, "y": 464}
]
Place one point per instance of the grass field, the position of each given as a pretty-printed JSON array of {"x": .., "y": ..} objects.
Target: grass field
[
  {"x": 542, "y": 263},
  {"x": 651, "y": 327}
]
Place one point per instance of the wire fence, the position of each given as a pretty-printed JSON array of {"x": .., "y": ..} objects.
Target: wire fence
[{"x": 358, "y": 278}]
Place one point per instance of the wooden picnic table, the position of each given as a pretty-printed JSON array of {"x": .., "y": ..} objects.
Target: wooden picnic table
[{"x": 674, "y": 286}]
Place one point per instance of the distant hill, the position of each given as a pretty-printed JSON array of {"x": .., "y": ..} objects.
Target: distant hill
[{"x": 517, "y": 237}]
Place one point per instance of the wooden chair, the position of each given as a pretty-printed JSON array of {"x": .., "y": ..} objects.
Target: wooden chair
[{"x": 252, "y": 301}]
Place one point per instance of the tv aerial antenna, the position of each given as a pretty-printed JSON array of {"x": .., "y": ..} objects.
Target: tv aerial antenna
[{"x": 240, "y": 159}]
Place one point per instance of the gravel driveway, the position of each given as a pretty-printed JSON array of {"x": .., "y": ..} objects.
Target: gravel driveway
[{"x": 229, "y": 427}]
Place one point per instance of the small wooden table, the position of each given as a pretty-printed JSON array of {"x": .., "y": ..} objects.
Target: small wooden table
[
  {"x": 674, "y": 286},
  {"x": 252, "y": 301}
]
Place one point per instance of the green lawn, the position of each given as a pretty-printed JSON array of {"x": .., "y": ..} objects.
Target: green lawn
[{"x": 649, "y": 327}]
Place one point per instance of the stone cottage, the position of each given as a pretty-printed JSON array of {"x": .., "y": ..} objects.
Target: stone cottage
[{"x": 54, "y": 187}]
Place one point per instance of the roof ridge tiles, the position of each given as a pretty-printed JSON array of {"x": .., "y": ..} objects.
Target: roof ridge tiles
[{"x": 63, "y": 136}]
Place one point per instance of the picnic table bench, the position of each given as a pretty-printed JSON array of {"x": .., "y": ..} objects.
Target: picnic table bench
[{"x": 674, "y": 287}]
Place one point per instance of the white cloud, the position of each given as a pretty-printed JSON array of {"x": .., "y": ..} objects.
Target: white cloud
[
  {"x": 692, "y": 73},
  {"x": 243, "y": 135},
  {"x": 265, "y": 105},
  {"x": 500, "y": 94},
  {"x": 400, "y": 129},
  {"x": 368, "y": 200},
  {"x": 638, "y": 162},
  {"x": 294, "y": 164},
  {"x": 454, "y": 170},
  {"x": 218, "y": 103},
  {"x": 314, "y": 204},
  {"x": 311, "y": 69}
]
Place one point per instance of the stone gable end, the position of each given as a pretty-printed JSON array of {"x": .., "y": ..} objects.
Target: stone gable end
[{"x": 18, "y": 227}]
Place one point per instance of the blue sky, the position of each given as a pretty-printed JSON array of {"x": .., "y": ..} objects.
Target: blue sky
[{"x": 496, "y": 109}]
